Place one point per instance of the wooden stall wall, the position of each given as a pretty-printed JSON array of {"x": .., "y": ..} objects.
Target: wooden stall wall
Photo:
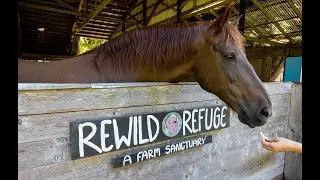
[{"x": 235, "y": 153}]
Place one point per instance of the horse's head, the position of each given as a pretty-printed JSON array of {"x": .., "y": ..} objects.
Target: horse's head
[{"x": 223, "y": 69}]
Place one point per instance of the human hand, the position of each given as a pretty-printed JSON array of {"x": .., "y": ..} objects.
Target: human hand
[{"x": 279, "y": 144}]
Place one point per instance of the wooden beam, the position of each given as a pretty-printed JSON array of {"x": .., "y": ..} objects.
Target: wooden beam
[
  {"x": 124, "y": 19},
  {"x": 144, "y": 12},
  {"x": 250, "y": 24},
  {"x": 273, "y": 51},
  {"x": 295, "y": 9},
  {"x": 242, "y": 13},
  {"x": 93, "y": 14},
  {"x": 137, "y": 21},
  {"x": 67, "y": 5},
  {"x": 79, "y": 10},
  {"x": 271, "y": 18},
  {"x": 170, "y": 7},
  {"x": 75, "y": 49},
  {"x": 43, "y": 8},
  {"x": 154, "y": 10},
  {"x": 92, "y": 36},
  {"x": 262, "y": 40},
  {"x": 205, "y": 7},
  {"x": 139, "y": 12},
  {"x": 95, "y": 32},
  {"x": 123, "y": 27},
  {"x": 277, "y": 70},
  {"x": 98, "y": 29},
  {"x": 179, "y": 3}
]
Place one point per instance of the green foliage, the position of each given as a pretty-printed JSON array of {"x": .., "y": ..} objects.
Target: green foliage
[{"x": 87, "y": 43}]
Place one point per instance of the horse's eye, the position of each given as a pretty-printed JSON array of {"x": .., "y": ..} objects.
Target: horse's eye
[{"x": 229, "y": 57}]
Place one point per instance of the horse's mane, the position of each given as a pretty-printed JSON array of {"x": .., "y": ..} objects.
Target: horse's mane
[
  {"x": 159, "y": 47},
  {"x": 150, "y": 46}
]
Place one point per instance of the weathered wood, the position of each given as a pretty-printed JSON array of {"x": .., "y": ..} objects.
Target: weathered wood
[
  {"x": 266, "y": 69},
  {"x": 278, "y": 69},
  {"x": 51, "y": 158},
  {"x": 293, "y": 161},
  {"x": 236, "y": 152},
  {"x": 33, "y": 102},
  {"x": 42, "y": 127},
  {"x": 47, "y": 135},
  {"x": 75, "y": 46},
  {"x": 257, "y": 66}
]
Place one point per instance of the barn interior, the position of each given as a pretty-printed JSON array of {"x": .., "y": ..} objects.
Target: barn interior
[{"x": 51, "y": 29}]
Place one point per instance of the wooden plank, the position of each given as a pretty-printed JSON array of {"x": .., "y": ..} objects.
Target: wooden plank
[
  {"x": 48, "y": 126},
  {"x": 293, "y": 161},
  {"x": 33, "y": 102},
  {"x": 43, "y": 8},
  {"x": 52, "y": 158}
]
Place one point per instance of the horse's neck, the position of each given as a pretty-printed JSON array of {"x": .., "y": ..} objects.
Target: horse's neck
[{"x": 79, "y": 69}]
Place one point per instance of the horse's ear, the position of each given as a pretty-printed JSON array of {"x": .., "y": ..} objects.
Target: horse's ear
[{"x": 218, "y": 23}]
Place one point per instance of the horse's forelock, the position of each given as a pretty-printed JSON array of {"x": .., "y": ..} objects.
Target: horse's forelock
[{"x": 230, "y": 32}]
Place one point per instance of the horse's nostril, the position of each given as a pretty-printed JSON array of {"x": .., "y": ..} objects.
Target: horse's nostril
[{"x": 265, "y": 112}]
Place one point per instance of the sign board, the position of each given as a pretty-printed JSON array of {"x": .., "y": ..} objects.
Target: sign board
[
  {"x": 96, "y": 136},
  {"x": 162, "y": 150}
]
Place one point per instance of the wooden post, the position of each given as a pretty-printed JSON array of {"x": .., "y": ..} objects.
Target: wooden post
[
  {"x": 144, "y": 15},
  {"x": 278, "y": 66},
  {"x": 19, "y": 37},
  {"x": 179, "y": 11},
  {"x": 266, "y": 69},
  {"x": 75, "y": 50},
  {"x": 123, "y": 26},
  {"x": 242, "y": 14}
]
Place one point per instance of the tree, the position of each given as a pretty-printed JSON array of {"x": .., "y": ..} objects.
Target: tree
[{"x": 87, "y": 43}]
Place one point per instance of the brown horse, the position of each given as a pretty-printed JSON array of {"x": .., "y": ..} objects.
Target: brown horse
[{"x": 213, "y": 52}]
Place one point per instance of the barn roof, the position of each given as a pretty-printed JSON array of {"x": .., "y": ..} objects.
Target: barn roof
[{"x": 47, "y": 26}]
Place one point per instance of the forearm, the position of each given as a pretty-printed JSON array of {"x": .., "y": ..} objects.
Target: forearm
[{"x": 296, "y": 147}]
